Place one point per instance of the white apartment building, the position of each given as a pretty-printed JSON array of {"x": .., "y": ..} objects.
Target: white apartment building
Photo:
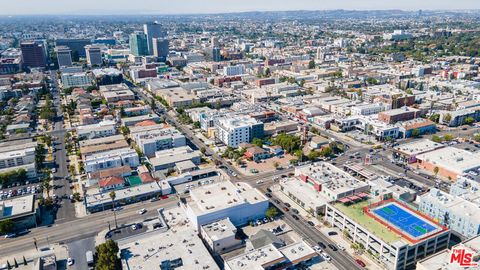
[
  {"x": 80, "y": 79},
  {"x": 102, "y": 129},
  {"x": 457, "y": 210},
  {"x": 368, "y": 109},
  {"x": 234, "y": 70},
  {"x": 239, "y": 202},
  {"x": 111, "y": 159},
  {"x": 234, "y": 131},
  {"x": 153, "y": 140},
  {"x": 18, "y": 157}
]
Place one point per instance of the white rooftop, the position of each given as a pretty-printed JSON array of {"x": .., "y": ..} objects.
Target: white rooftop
[
  {"x": 222, "y": 195},
  {"x": 453, "y": 159},
  {"x": 418, "y": 146}
]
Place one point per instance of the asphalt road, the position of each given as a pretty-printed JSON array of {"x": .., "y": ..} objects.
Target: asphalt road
[
  {"x": 66, "y": 210},
  {"x": 77, "y": 251},
  {"x": 81, "y": 228}
]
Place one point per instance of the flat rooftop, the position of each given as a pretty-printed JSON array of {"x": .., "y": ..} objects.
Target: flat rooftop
[
  {"x": 418, "y": 147},
  {"x": 452, "y": 159},
  {"x": 220, "y": 229},
  {"x": 221, "y": 195},
  {"x": 17, "y": 206},
  {"x": 181, "y": 241},
  {"x": 304, "y": 192},
  {"x": 103, "y": 198}
]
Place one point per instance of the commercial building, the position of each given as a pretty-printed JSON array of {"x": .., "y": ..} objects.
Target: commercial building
[
  {"x": 138, "y": 44},
  {"x": 239, "y": 202},
  {"x": 76, "y": 45},
  {"x": 182, "y": 158},
  {"x": 33, "y": 54},
  {"x": 102, "y": 201},
  {"x": 22, "y": 210},
  {"x": 15, "y": 157},
  {"x": 220, "y": 236},
  {"x": 64, "y": 56},
  {"x": 393, "y": 243},
  {"x": 331, "y": 182},
  {"x": 174, "y": 245},
  {"x": 450, "y": 161},
  {"x": 131, "y": 121},
  {"x": 408, "y": 152},
  {"x": 160, "y": 48},
  {"x": 396, "y": 115},
  {"x": 94, "y": 55},
  {"x": 305, "y": 196},
  {"x": 233, "y": 131},
  {"x": 153, "y": 31},
  {"x": 272, "y": 257},
  {"x": 111, "y": 159}
]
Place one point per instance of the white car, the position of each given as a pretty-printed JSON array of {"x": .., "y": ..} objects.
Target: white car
[
  {"x": 318, "y": 249},
  {"x": 259, "y": 182},
  {"x": 70, "y": 261},
  {"x": 134, "y": 227},
  {"x": 142, "y": 211},
  {"x": 326, "y": 257}
]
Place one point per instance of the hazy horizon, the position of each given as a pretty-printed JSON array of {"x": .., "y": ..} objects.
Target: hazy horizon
[{"x": 112, "y": 7}]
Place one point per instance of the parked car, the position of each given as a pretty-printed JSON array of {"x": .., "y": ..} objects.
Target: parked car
[
  {"x": 70, "y": 261},
  {"x": 322, "y": 245},
  {"x": 311, "y": 223},
  {"x": 317, "y": 249},
  {"x": 142, "y": 211}
]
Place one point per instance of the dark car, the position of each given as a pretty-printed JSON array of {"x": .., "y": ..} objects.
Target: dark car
[
  {"x": 277, "y": 201},
  {"x": 322, "y": 245},
  {"x": 269, "y": 190},
  {"x": 287, "y": 204},
  {"x": 310, "y": 223},
  {"x": 333, "y": 247},
  {"x": 268, "y": 195},
  {"x": 295, "y": 217},
  {"x": 360, "y": 262},
  {"x": 332, "y": 233},
  {"x": 295, "y": 211}
]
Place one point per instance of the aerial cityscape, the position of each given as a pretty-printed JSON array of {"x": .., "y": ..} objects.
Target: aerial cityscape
[{"x": 240, "y": 137}]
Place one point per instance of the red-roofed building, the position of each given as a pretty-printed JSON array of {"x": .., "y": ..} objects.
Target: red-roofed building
[
  {"x": 257, "y": 153},
  {"x": 145, "y": 123},
  {"x": 146, "y": 178},
  {"x": 111, "y": 182}
]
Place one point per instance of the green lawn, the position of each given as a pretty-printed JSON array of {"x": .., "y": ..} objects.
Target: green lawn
[
  {"x": 355, "y": 212},
  {"x": 134, "y": 180}
]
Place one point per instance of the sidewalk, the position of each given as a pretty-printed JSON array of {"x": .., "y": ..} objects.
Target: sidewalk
[
  {"x": 60, "y": 251},
  {"x": 338, "y": 239}
]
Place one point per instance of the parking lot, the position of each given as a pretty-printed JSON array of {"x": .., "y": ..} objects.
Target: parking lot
[{"x": 19, "y": 191}]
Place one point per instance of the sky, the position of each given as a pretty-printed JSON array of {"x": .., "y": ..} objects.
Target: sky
[{"x": 83, "y": 7}]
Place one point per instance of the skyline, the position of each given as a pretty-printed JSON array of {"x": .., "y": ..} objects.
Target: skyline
[{"x": 92, "y": 7}]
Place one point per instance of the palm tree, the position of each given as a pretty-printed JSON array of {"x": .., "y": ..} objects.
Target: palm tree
[
  {"x": 436, "y": 170},
  {"x": 113, "y": 195},
  {"x": 47, "y": 186}
]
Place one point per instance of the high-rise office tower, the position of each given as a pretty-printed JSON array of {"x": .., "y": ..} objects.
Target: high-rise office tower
[
  {"x": 33, "y": 54},
  {"x": 216, "y": 55},
  {"x": 77, "y": 45},
  {"x": 94, "y": 55},
  {"x": 138, "y": 44},
  {"x": 160, "y": 48},
  {"x": 153, "y": 30},
  {"x": 64, "y": 56}
]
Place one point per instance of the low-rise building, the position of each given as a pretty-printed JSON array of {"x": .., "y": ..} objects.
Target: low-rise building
[
  {"x": 156, "y": 138},
  {"x": 449, "y": 161},
  {"x": 220, "y": 236},
  {"x": 101, "y": 129},
  {"x": 239, "y": 202},
  {"x": 111, "y": 159},
  {"x": 170, "y": 158},
  {"x": 22, "y": 210}
]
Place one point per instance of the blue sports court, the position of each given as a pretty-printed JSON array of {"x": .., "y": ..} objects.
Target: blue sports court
[{"x": 405, "y": 220}]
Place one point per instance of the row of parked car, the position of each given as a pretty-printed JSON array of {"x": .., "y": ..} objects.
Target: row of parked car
[{"x": 6, "y": 194}]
